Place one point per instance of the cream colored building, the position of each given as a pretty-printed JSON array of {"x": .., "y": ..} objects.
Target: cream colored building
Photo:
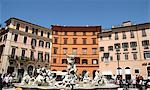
[
  {"x": 125, "y": 50},
  {"x": 24, "y": 46}
]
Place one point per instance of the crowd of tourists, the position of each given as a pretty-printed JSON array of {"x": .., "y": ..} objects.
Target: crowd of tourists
[{"x": 137, "y": 82}]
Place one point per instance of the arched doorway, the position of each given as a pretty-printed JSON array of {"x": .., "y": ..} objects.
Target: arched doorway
[
  {"x": 94, "y": 73},
  {"x": 20, "y": 74},
  {"x": 30, "y": 70},
  {"x": 127, "y": 73},
  {"x": 148, "y": 70},
  {"x": 119, "y": 72}
]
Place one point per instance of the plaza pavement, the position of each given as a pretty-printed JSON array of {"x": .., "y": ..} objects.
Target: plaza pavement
[{"x": 118, "y": 89}]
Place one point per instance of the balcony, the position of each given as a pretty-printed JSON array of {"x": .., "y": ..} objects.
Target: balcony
[
  {"x": 13, "y": 57},
  {"x": 19, "y": 58}
]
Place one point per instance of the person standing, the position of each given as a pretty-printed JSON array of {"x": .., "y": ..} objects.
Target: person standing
[{"x": 1, "y": 83}]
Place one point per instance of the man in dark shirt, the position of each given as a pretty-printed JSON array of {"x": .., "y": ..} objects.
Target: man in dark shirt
[{"x": 1, "y": 83}]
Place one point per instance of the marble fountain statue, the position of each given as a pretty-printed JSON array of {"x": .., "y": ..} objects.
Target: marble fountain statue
[{"x": 46, "y": 79}]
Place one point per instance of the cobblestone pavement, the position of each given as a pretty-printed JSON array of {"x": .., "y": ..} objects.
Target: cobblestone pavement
[{"x": 118, "y": 89}]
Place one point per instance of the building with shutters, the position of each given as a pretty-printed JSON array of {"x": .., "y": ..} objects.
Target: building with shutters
[
  {"x": 80, "y": 41},
  {"x": 125, "y": 50},
  {"x": 24, "y": 46}
]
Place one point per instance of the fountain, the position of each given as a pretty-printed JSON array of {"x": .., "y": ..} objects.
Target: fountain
[{"x": 46, "y": 79}]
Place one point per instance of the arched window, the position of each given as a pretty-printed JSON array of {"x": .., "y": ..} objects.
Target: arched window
[
  {"x": 41, "y": 43},
  {"x": 47, "y": 45},
  {"x": 33, "y": 42}
]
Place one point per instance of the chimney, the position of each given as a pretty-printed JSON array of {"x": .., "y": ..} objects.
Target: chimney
[{"x": 127, "y": 23}]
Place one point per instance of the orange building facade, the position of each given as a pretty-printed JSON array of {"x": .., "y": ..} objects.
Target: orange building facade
[{"x": 80, "y": 41}]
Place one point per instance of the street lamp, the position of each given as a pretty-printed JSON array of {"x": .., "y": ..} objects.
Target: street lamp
[{"x": 118, "y": 67}]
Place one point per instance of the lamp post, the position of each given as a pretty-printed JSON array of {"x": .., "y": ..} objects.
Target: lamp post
[{"x": 118, "y": 57}]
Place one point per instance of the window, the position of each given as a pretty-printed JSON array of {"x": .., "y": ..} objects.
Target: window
[
  {"x": 123, "y": 35},
  {"x": 102, "y": 58},
  {"x": 110, "y": 48},
  {"x": 33, "y": 42},
  {"x": 126, "y": 56},
  {"x": 131, "y": 34},
  {"x": 33, "y": 32},
  {"x": 64, "y": 61},
  {"x": 15, "y": 37},
  {"x": 41, "y": 33},
  {"x": 18, "y": 26},
  {"x": 84, "y": 61},
  {"x": 74, "y": 51},
  {"x": 48, "y": 35},
  {"x": 56, "y": 32},
  {"x": 117, "y": 46},
  {"x": 133, "y": 44},
  {"x": 65, "y": 40},
  {"x": 47, "y": 57},
  {"x": 5, "y": 37},
  {"x": 101, "y": 37},
  {"x": 23, "y": 53},
  {"x": 134, "y": 56},
  {"x": 77, "y": 60},
  {"x": 40, "y": 56},
  {"x": 54, "y": 60},
  {"x": 116, "y": 35},
  {"x": 94, "y": 51},
  {"x": 55, "y": 50},
  {"x": 13, "y": 51},
  {"x": 84, "y": 33},
  {"x": 55, "y": 40},
  {"x": 109, "y": 36},
  {"x": 74, "y": 33},
  {"x": 84, "y": 51},
  {"x": 118, "y": 56},
  {"x": 143, "y": 33},
  {"x": 145, "y": 43},
  {"x": 74, "y": 41},
  {"x": 32, "y": 55},
  {"x": 146, "y": 54},
  {"x": 84, "y": 41},
  {"x": 65, "y": 33},
  {"x": 94, "y": 61},
  {"x": 101, "y": 48},
  {"x": 26, "y": 29},
  {"x": 94, "y": 40},
  {"x": 41, "y": 43},
  {"x": 25, "y": 40},
  {"x": 136, "y": 70},
  {"x": 124, "y": 45},
  {"x": 47, "y": 45},
  {"x": 36, "y": 31},
  {"x": 64, "y": 51},
  {"x": 94, "y": 33},
  {"x": 111, "y": 58}
]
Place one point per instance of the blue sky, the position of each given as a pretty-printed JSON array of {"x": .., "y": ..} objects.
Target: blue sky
[{"x": 76, "y": 12}]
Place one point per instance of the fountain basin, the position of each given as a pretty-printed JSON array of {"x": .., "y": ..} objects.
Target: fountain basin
[{"x": 31, "y": 87}]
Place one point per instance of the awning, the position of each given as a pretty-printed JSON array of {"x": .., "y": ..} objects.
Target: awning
[{"x": 106, "y": 73}]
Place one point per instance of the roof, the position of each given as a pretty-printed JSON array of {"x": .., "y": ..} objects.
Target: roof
[
  {"x": 76, "y": 28},
  {"x": 24, "y": 21}
]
